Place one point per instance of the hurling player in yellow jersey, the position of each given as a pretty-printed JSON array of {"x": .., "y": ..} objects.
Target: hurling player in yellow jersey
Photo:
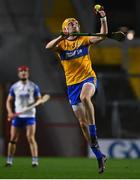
[{"x": 80, "y": 77}]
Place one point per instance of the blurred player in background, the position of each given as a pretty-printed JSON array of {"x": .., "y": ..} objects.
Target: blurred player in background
[
  {"x": 80, "y": 77},
  {"x": 21, "y": 94}
]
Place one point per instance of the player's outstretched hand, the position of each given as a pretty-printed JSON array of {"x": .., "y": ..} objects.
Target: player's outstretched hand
[
  {"x": 10, "y": 116},
  {"x": 102, "y": 14},
  {"x": 99, "y": 10}
]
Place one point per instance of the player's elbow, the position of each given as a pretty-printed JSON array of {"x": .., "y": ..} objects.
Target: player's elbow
[{"x": 47, "y": 46}]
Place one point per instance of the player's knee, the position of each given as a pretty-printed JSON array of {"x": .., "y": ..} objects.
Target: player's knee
[
  {"x": 30, "y": 139},
  {"x": 85, "y": 99},
  {"x": 82, "y": 124}
]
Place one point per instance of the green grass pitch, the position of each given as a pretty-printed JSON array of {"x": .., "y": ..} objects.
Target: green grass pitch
[{"x": 70, "y": 168}]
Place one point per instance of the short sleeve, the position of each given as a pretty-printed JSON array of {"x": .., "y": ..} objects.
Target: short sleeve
[
  {"x": 37, "y": 91},
  {"x": 11, "y": 92}
]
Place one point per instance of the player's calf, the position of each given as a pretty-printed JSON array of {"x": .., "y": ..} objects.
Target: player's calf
[{"x": 9, "y": 161}]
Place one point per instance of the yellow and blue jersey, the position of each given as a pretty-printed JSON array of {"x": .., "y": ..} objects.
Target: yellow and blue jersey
[{"x": 75, "y": 60}]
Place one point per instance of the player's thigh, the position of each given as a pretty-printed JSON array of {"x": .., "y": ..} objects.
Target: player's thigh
[
  {"x": 87, "y": 91},
  {"x": 14, "y": 133},
  {"x": 30, "y": 130},
  {"x": 79, "y": 111}
]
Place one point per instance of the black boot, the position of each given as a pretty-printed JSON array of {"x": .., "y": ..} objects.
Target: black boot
[
  {"x": 102, "y": 160},
  {"x": 101, "y": 164}
]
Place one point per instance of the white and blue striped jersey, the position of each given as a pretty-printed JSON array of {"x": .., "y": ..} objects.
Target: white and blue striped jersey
[{"x": 24, "y": 94}]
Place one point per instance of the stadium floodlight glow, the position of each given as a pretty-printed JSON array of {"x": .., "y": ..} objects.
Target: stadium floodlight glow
[{"x": 130, "y": 35}]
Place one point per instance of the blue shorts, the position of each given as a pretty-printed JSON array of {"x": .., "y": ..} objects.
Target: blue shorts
[
  {"x": 21, "y": 122},
  {"x": 74, "y": 91}
]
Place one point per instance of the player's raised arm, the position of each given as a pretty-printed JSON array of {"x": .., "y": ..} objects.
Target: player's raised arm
[
  {"x": 104, "y": 27},
  {"x": 103, "y": 19}
]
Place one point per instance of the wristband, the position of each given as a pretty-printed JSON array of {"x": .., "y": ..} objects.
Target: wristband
[{"x": 103, "y": 19}]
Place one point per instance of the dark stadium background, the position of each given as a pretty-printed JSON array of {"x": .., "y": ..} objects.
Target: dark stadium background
[{"x": 25, "y": 27}]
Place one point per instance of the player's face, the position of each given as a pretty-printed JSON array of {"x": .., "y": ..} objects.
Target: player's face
[
  {"x": 73, "y": 26},
  {"x": 23, "y": 75}
]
